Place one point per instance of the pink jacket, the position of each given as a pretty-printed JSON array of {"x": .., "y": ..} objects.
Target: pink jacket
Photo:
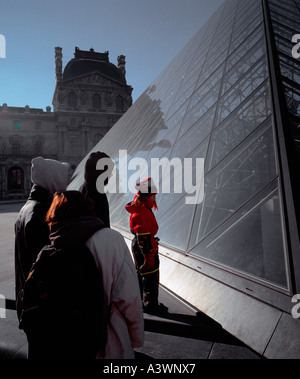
[{"x": 126, "y": 324}]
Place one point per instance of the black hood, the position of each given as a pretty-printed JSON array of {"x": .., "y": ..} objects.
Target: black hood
[
  {"x": 40, "y": 194},
  {"x": 74, "y": 232}
]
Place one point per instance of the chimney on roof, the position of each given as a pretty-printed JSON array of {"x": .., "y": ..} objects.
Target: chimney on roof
[
  {"x": 121, "y": 64},
  {"x": 58, "y": 63}
]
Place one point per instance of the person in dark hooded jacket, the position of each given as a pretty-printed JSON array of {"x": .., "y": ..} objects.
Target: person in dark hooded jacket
[
  {"x": 73, "y": 224},
  {"x": 98, "y": 169},
  {"x": 31, "y": 230}
]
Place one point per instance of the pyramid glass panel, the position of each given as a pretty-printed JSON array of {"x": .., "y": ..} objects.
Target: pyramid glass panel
[
  {"x": 285, "y": 18},
  {"x": 235, "y": 246},
  {"x": 213, "y": 103}
]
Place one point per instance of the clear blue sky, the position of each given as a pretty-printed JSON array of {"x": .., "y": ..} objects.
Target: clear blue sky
[{"x": 149, "y": 33}]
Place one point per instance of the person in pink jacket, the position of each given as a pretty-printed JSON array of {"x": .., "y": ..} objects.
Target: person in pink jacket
[{"x": 126, "y": 325}]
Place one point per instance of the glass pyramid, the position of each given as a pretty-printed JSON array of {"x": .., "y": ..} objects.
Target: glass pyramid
[{"x": 215, "y": 101}]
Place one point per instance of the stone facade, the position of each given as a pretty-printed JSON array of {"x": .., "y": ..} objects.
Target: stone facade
[{"x": 90, "y": 96}]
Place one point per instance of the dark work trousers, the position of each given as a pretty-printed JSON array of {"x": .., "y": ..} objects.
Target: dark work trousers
[
  {"x": 150, "y": 285},
  {"x": 148, "y": 280}
]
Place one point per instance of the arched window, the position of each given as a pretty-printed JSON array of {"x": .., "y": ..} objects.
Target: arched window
[
  {"x": 72, "y": 100},
  {"x": 96, "y": 101},
  {"x": 15, "y": 179},
  {"x": 120, "y": 103}
]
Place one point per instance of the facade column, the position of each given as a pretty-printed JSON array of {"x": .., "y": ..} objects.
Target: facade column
[
  {"x": 85, "y": 131},
  {"x": 3, "y": 184},
  {"x": 62, "y": 143}
]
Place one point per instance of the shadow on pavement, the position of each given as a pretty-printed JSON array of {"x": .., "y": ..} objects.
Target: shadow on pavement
[{"x": 199, "y": 327}]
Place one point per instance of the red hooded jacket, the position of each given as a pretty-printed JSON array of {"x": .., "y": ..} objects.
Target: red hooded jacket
[{"x": 144, "y": 226}]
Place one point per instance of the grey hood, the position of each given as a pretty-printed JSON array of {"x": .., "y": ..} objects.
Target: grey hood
[{"x": 49, "y": 174}]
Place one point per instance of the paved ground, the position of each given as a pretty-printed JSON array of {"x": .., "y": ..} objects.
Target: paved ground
[{"x": 184, "y": 333}]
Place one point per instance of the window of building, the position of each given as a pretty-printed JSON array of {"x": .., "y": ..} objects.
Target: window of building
[
  {"x": 15, "y": 179},
  {"x": 16, "y": 125},
  {"x": 72, "y": 100},
  {"x": 120, "y": 103},
  {"x": 96, "y": 101}
]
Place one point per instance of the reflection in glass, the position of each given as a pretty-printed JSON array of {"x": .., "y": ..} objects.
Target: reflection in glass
[
  {"x": 233, "y": 244},
  {"x": 244, "y": 172},
  {"x": 243, "y": 88},
  {"x": 240, "y": 123},
  {"x": 177, "y": 214}
]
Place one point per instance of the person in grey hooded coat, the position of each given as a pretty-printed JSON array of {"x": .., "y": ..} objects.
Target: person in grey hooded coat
[{"x": 31, "y": 230}]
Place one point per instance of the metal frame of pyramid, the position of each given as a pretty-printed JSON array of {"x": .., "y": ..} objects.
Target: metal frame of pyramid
[{"x": 230, "y": 97}]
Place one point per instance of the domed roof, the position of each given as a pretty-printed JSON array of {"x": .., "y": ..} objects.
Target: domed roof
[{"x": 87, "y": 62}]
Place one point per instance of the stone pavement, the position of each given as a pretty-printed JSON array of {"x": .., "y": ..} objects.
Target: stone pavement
[
  {"x": 183, "y": 333},
  {"x": 186, "y": 333}
]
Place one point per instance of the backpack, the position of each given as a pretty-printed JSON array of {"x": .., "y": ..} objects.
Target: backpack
[{"x": 63, "y": 304}]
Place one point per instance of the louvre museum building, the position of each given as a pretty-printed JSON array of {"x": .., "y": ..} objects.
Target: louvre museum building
[
  {"x": 90, "y": 95},
  {"x": 231, "y": 97}
]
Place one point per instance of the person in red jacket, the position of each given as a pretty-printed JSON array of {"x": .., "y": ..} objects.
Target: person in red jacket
[{"x": 144, "y": 227}]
